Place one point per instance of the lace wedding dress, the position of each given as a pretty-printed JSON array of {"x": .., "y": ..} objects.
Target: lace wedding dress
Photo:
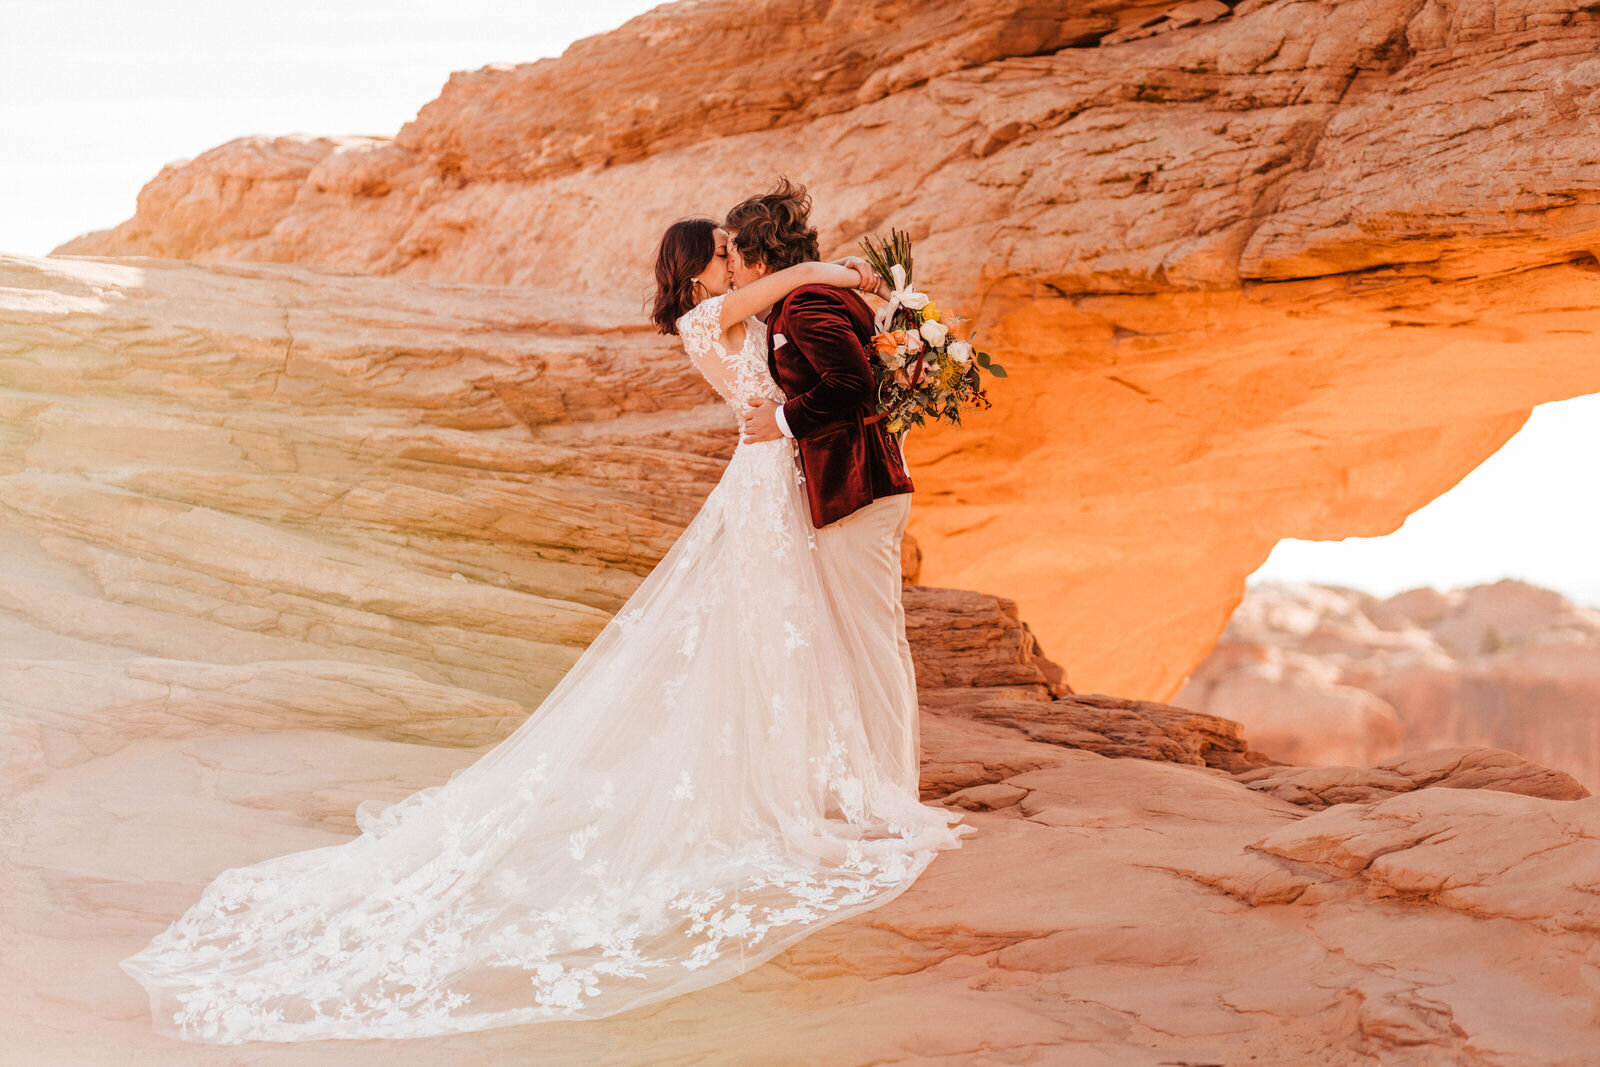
[{"x": 696, "y": 794}]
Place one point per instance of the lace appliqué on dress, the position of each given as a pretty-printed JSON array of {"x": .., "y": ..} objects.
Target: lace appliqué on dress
[{"x": 697, "y": 793}]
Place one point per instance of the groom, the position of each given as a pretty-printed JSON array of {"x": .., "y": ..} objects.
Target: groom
[
  {"x": 856, "y": 481},
  {"x": 818, "y": 338}
]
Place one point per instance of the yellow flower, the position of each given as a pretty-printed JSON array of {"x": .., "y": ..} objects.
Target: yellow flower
[
  {"x": 930, "y": 313},
  {"x": 895, "y": 426}
]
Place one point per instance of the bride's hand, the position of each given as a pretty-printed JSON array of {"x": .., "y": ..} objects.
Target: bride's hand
[{"x": 869, "y": 277}]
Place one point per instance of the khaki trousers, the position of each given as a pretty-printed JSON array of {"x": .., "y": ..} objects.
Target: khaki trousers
[{"x": 860, "y": 560}]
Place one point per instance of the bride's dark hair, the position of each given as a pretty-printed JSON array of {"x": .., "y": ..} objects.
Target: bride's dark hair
[
  {"x": 775, "y": 227},
  {"x": 683, "y": 253}
]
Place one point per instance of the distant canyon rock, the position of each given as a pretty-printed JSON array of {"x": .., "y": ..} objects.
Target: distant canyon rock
[
  {"x": 1329, "y": 675},
  {"x": 1262, "y": 270}
]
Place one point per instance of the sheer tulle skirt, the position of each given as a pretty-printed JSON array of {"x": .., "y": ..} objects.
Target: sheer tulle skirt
[{"x": 718, "y": 776}]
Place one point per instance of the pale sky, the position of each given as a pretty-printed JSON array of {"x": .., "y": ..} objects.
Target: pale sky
[
  {"x": 1530, "y": 511},
  {"x": 95, "y": 96}
]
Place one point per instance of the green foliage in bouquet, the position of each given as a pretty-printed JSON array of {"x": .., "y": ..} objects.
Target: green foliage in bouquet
[
  {"x": 883, "y": 254},
  {"x": 921, "y": 369}
]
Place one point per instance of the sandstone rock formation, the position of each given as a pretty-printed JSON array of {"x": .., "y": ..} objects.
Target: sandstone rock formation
[
  {"x": 319, "y": 515},
  {"x": 281, "y": 540},
  {"x": 1329, "y": 675},
  {"x": 1224, "y": 250},
  {"x": 236, "y": 472},
  {"x": 1446, "y": 768}
]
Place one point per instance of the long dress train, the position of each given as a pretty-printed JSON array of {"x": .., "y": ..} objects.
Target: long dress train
[{"x": 698, "y": 792}]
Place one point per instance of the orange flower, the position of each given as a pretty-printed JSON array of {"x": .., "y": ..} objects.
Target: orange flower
[{"x": 885, "y": 344}]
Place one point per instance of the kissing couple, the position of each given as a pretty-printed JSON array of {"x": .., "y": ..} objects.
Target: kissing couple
[{"x": 730, "y": 766}]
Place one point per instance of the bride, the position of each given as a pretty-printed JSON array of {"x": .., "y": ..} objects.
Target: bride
[{"x": 699, "y": 791}]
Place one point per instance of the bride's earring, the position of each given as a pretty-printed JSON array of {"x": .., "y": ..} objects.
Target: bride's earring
[{"x": 697, "y": 282}]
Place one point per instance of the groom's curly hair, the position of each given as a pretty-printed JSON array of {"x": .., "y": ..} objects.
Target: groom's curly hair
[{"x": 774, "y": 228}]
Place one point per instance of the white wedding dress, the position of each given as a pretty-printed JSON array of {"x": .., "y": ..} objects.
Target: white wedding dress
[{"x": 696, "y": 794}]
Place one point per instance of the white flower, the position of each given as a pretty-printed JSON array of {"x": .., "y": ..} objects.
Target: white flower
[
  {"x": 901, "y": 294},
  {"x": 960, "y": 351},
  {"x": 933, "y": 332}
]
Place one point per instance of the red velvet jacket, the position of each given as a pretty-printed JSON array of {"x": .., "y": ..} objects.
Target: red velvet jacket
[{"x": 847, "y": 457}]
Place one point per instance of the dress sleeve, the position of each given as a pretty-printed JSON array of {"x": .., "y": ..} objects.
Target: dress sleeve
[{"x": 701, "y": 330}]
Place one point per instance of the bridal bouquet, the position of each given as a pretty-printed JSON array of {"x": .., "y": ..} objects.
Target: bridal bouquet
[{"x": 923, "y": 371}]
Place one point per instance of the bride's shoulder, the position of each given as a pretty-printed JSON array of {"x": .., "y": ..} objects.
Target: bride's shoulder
[
  {"x": 703, "y": 321},
  {"x": 708, "y": 310},
  {"x": 700, "y": 330}
]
